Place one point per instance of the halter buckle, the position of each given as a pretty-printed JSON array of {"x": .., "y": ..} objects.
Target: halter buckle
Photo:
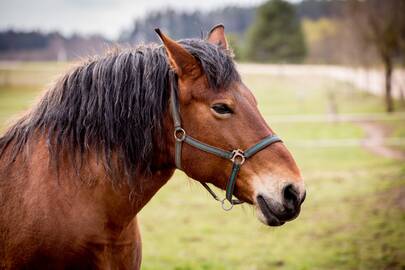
[
  {"x": 238, "y": 155},
  {"x": 179, "y": 134}
]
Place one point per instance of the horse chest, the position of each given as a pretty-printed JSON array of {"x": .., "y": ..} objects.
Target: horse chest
[{"x": 123, "y": 254}]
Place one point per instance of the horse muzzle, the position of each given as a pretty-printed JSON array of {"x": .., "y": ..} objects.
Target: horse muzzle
[{"x": 274, "y": 213}]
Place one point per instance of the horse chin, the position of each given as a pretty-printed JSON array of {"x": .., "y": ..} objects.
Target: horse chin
[{"x": 266, "y": 216}]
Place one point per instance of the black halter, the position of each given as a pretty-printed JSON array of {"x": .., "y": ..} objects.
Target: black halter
[{"x": 237, "y": 156}]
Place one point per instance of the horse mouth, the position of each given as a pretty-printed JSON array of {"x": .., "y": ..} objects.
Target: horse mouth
[{"x": 271, "y": 217}]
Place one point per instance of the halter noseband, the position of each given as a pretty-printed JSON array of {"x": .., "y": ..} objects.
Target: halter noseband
[{"x": 237, "y": 156}]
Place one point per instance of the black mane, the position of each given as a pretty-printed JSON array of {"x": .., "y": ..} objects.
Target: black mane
[{"x": 114, "y": 104}]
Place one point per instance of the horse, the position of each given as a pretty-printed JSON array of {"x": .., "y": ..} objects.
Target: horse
[{"x": 76, "y": 169}]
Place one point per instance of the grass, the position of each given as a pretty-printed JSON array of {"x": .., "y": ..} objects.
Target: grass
[
  {"x": 311, "y": 95},
  {"x": 14, "y": 100},
  {"x": 353, "y": 217}
]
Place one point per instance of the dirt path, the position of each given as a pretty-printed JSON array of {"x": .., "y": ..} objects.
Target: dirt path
[{"x": 375, "y": 138}]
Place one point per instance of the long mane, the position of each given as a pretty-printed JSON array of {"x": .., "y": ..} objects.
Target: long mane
[{"x": 113, "y": 104}]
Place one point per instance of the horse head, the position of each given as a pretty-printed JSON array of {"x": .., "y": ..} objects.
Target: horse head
[{"x": 214, "y": 125}]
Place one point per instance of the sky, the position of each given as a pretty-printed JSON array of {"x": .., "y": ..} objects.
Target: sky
[{"x": 106, "y": 17}]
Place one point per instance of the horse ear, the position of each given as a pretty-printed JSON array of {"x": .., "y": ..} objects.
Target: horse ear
[
  {"x": 217, "y": 36},
  {"x": 184, "y": 64}
]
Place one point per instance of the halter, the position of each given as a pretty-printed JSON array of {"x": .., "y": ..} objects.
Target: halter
[{"x": 237, "y": 156}]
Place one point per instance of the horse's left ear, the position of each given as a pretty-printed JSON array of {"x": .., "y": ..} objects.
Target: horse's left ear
[
  {"x": 217, "y": 36},
  {"x": 184, "y": 63}
]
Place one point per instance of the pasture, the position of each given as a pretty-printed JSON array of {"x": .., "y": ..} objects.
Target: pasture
[{"x": 354, "y": 215}]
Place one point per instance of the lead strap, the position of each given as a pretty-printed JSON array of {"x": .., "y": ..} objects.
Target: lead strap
[
  {"x": 178, "y": 154},
  {"x": 232, "y": 181}
]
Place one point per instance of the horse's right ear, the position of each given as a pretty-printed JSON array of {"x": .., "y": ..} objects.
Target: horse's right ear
[
  {"x": 184, "y": 64},
  {"x": 217, "y": 36}
]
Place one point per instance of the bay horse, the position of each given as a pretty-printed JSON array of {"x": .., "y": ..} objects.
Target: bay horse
[{"x": 78, "y": 167}]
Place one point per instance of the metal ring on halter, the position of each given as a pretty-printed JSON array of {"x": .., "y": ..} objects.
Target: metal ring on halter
[
  {"x": 224, "y": 205},
  {"x": 238, "y": 154},
  {"x": 180, "y": 131}
]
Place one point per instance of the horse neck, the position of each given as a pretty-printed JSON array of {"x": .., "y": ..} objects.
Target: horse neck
[
  {"x": 88, "y": 191},
  {"x": 124, "y": 196},
  {"x": 124, "y": 199}
]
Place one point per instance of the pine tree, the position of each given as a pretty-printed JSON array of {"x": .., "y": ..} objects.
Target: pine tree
[{"x": 276, "y": 34}]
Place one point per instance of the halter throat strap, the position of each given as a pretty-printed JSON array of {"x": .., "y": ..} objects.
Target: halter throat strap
[{"x": 237, "y": 156}]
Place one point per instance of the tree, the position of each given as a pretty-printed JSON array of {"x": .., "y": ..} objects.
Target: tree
[
  {"x": 382, "y": 24},
  {"x": 276, "y": 34}
]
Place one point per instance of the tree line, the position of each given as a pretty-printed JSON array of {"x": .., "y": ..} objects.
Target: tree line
[{"x": 355, "y": 32}]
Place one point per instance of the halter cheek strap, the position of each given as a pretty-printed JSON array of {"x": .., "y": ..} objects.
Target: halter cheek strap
[{"x": 237, "y": 157}]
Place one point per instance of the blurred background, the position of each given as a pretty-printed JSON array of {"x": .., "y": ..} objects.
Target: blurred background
[{"x": 330, "y": 80}]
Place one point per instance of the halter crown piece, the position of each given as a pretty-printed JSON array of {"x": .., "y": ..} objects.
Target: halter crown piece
[{"x": 237, "y": 156}]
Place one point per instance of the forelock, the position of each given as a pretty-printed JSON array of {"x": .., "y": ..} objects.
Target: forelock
[{"x": 217, "y": 63}]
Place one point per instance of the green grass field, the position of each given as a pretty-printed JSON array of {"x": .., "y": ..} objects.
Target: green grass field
[{"x": 354, "y": 215}]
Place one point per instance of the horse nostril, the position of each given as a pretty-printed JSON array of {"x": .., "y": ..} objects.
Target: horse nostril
[{"x": 291, "y": 197}]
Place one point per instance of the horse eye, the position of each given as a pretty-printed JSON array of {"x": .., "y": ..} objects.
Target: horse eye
[{"x": 222, "y": 108}]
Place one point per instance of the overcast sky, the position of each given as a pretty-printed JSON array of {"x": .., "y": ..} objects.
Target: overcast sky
[{"x": 106, "y": 17}]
